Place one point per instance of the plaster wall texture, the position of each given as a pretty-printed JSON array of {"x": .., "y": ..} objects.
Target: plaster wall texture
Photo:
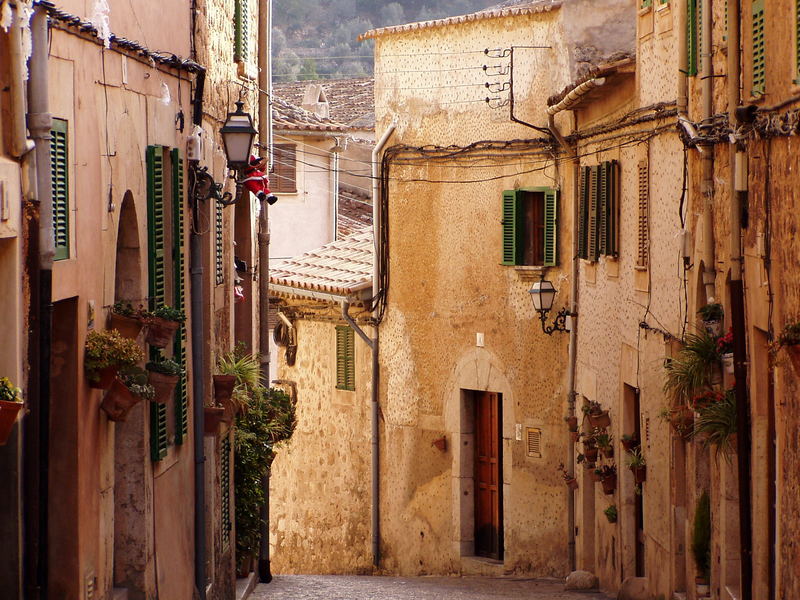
[
  {"x": 85, "y": 473},
  {"x": 320, "y": 482}
]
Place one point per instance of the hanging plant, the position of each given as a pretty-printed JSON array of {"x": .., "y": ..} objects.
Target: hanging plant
[
  {"x": 126, "y": 319},
  {"x": 637, "y": 464},
  {"x": 105, "y": 353},
  {"x": 716, "y": 424},
  {"x": 570, "y": 480},
  {"x": 605, "y": 444},
  {"x": 692, "y": 371},
  {"x": 712, "y": 315},
  {"x": 629, "y": 441},
  {"x": 611, "y": 513},
  {"x": 10, "y": 407},
  {"x": 790, "y": 340}
]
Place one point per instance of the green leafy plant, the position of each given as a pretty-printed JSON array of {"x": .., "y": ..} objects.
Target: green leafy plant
[
  {"x": 611, "y": 513},
  {"x": 716, "y": 423},
  {"x": 635, "y": 458},
  {"x": 711, "y": 312},
  {"x": 246, "y": 368},
  {"x": 270, "y": 419},
  {"x": 603, "y": 440},
  {"x": 108, "y": 349},
  {"x": 790, "y": 336},
  {"x": 169, "y": 313},
  {"x": 692, "y": 370},
  {"x": 135, "y": 379},
  {"x": 701, "y": 536},
  {"x": 125, "y": 309},
  {"x": 8, "y": 391},
  {"x": 165, "y": 366}
]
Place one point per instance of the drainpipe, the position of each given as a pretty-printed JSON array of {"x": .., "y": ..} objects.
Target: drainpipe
[
  {"x": 377, "y": 229},
  {"x": 683, "y": 60},
  {"x": 738, "y": 200},
  {"x": 37, "y": 189},
  {"x": 264, "y": 134},
  {"x": 707, "y": 160},
  {"x": 334, "y": 183},
  {"x": 198, "y": 371},
  {"x": 573, "y": 330}
]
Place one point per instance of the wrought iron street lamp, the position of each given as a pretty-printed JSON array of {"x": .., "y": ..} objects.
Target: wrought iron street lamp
[
  {"x": 542, "y": 295},
  {"x": 237, "y": 137}
]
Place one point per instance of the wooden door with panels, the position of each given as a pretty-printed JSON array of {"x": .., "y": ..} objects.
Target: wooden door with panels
[{"x": 488, "y": 475}]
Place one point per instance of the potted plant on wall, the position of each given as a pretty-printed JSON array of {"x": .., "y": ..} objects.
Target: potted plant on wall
[
  {"x": 701, "y": 545},
  {"x": 238, "y": 377},
  {"x": 570, "y": 480},
  {"x": 716, "y": 423},
  {"x": 605, "y": 442},
  {"x": 725, "y": 349},
  {"x": 694, "y": 370},
  {"x": 162, "y": 325},
  {"x": 608, "y": 478},
  {"x": 611, "y": 513},
  {"x": 10, "y": 405},
  {"x": 572, "y": 426},
  {"x": 629, "y": 441},
  {"x": 637, "y": 464},
  {"x": 163, "y": 375},
  {"x": 105, "y": 353},
  {"x": 712, "y": 316},
  {"x": 126, "y": 319},
  {"x": 128, "y": 389},
  {"x": 598, "y": 417},
  {"x": 680, "y": 419},
  {"x": 590, "y": 448},
  {"x": 790, "y": 339}
]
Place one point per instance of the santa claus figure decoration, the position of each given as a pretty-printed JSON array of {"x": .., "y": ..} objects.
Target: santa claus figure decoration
[{"x": 256, "y": 181}]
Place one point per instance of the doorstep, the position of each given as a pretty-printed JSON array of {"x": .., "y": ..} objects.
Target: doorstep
[
  {"x": 485, "y": 567},
  {"x": 245, "y": 586}
]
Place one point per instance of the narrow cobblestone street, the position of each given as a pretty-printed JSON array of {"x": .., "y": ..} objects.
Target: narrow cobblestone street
[{"x": 316, "y": 587}]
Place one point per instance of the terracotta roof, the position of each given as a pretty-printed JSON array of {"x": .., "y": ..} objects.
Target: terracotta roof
[
  {"x": 355, "y": 210},
  {"x": 506, "y": 9},
  {"x": 287, "y": 116},
  {"x": 620, "y": 63},
  {"x": 342, "y": 267},
  {"x": 351, "y": 101}
]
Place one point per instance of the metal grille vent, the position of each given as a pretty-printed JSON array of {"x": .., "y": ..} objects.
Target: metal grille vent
[{"x": 533, "y": 439}]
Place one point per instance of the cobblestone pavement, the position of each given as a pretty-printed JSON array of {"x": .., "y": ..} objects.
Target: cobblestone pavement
[{"x": 331, "y": 587}]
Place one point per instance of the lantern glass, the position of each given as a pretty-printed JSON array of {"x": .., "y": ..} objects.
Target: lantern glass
[
  {"x": 237, "y": 136},
  {"x": 542, "y": 294}
]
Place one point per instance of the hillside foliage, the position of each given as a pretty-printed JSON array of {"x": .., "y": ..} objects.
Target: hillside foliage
[{"x": 317, "y": 39}]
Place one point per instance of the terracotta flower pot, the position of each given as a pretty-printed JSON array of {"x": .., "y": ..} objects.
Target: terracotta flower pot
[
  {"x": 608, "y": 451},
  {"x": 8, "y": 416},
  {"x": 212, "y": 417},
  {"x": 163, "y": 384},
  {"x": 572, "y": 483},
  {"x": 118, "y": 401},
  {"x": 681, "y": 419},
  {"x": 574, "y": 436},
  {"x": 629, "y": 444},
  {"x": 639, "y": 473},
  {"x": 601, "y": 421},
  {"x": 595, "y": 476},
  {"x": 105, "y": 377},
  {"x": 572, "y": 423},
  {"x": 609, "y": 483},
  {"x": 223, "y": 388},
  {"x": 161, "y": 332},
  {"x": 590, "y": 453},
  {"x": 128, "y": 327},
  {"x": 794, "y": 355}
]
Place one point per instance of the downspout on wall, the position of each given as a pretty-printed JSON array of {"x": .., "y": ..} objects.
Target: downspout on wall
[
  {"x": 707, "y": 160},
  {"x": 377, "y": 229},
  {"x": 573, "y": 309}
]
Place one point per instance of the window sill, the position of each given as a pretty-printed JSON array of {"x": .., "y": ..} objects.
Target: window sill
[{"x": 530, "y": 272}]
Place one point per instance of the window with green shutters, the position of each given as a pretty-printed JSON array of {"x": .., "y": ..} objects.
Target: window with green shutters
[
  {"x": 59, "y": 177},
  {"x": 166, "y": 281},
  {"x": 345, "y": 358},
  {"x": 759, "y": 50},
  {"x": 240, "y": 30},
  {"x": 225, "y": 492},
  {"x": 692, "y": 35},
  {"x": 530, "y": 227},
  {"x": 598, "y": 212},
  {"x": 219, "y": 247}
]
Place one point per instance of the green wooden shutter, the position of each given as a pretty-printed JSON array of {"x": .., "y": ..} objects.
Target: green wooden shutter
[
  {"x": 592, "y": 241},
  {"x": 583, "y": 214},
  {"x": 225, "y": 491},
  {"x": 612, "y": 242},
  {"x": 691, "y": 36},
  {"x": 550, "y": 228},
  {"x": 759, "y": 54},
  {"x": 179, "y": 350},
  {"x": 156, "y": 280},
  {"x": 59, "y": 177},
  {"x": 345, "y": 358},
  {"x": 240, "y": 29},
  {"x": 602, "y": 208},
  {"x": 608, "y": 221},
  {"x": 511, "y": 248},
  {"x": 219, "y": 251}
]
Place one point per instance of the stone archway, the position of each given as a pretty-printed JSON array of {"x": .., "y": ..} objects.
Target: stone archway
[{"x": 133, "y": 478}]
